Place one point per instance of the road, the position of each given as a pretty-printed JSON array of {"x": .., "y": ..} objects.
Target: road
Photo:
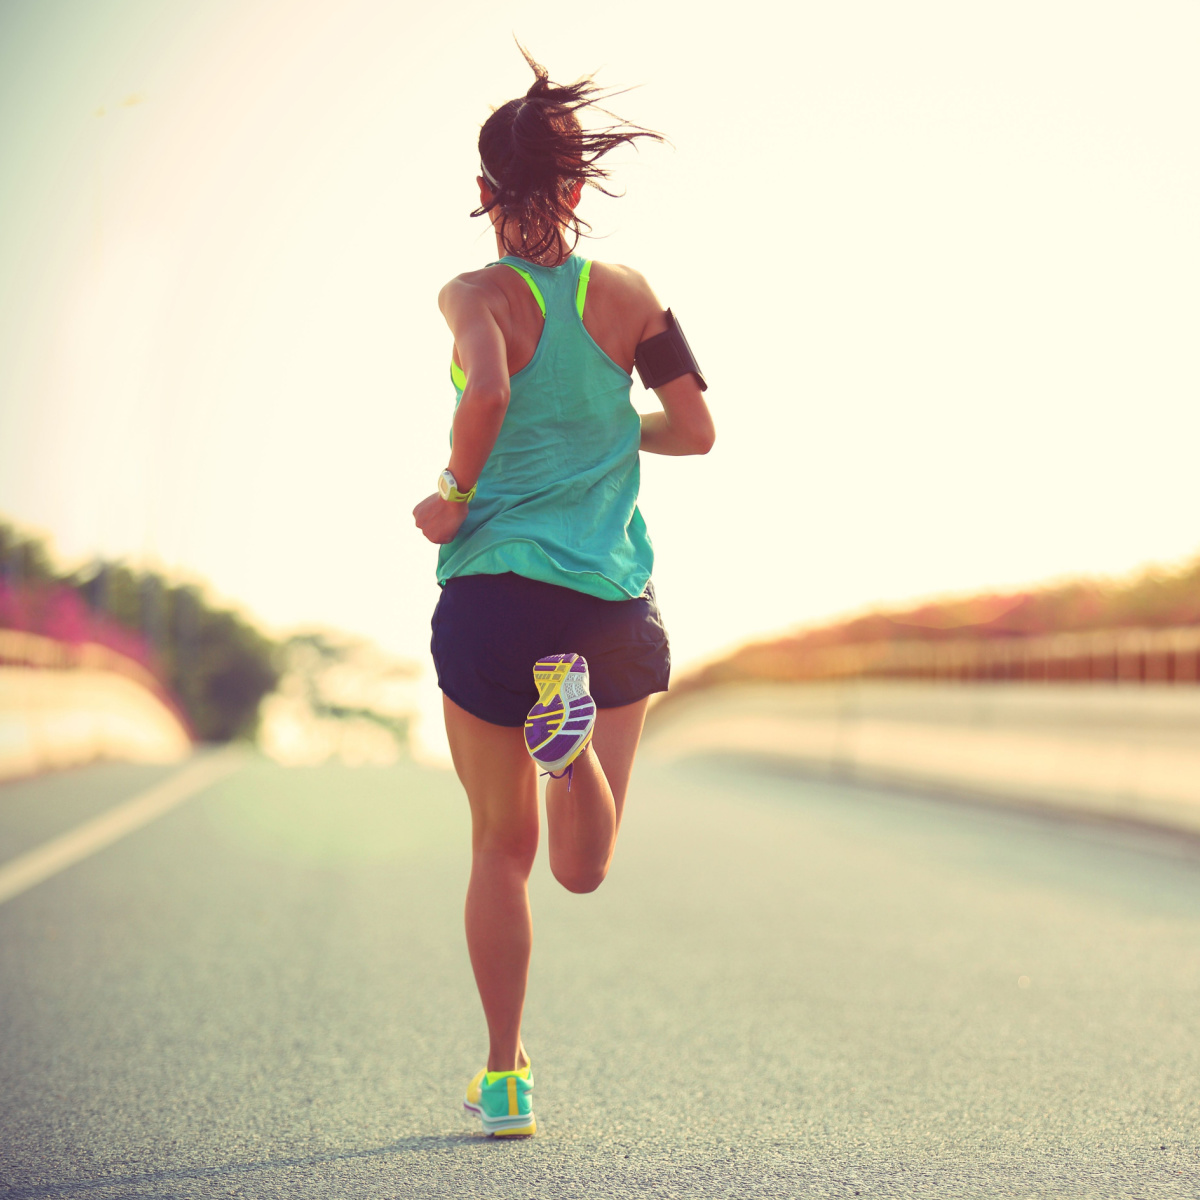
[{"x": 785, "y": 988}]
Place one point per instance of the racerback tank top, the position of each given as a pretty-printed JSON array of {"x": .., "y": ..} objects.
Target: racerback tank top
[{"x": 557, "y": 499}]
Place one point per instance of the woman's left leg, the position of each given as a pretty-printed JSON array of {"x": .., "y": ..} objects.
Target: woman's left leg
[{"x": 583, "y": 814}]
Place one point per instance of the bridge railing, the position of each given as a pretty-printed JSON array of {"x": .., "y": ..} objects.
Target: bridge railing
[
  {"x": 1109, "y": 655},
  {"x": 19, "y": 648}
]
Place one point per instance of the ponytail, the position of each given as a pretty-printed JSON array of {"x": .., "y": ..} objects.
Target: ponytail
[{"x": 534, "y": 152}]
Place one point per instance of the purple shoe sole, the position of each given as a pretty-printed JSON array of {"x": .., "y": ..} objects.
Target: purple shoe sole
[{"x": 559, "y": 725}]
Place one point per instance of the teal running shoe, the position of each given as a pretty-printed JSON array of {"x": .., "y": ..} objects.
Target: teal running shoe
[{"x": 503, "y": 1101}]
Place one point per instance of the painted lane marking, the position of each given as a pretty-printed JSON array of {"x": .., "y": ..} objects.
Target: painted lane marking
[{"x": 24, "y": 872}]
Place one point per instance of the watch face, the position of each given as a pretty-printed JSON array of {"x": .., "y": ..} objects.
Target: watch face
[{"x": 445, "y": 483}]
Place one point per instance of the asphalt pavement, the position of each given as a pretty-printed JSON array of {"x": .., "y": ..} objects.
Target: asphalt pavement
[{"x": 785, "y": 988}]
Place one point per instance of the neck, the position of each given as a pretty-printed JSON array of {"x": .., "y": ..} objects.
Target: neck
[{"x": 555, "y": 256}]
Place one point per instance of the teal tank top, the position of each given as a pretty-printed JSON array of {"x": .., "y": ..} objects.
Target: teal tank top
[{"x": 557, "y": 499}]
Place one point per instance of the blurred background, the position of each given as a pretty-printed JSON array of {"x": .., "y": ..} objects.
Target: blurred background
[{"x": 939, "y": 263}]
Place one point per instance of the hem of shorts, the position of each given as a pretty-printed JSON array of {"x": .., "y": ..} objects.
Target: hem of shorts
[
  {"x": 642, "y": 695},
  {"x": 520, "y": 724}
]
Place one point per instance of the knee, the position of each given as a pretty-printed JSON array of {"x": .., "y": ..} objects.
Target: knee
[
  {"x": 512, "y": 850},
  {"x": 579, "y": 878}
]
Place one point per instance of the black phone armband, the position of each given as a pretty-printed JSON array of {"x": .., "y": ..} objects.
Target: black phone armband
[{"x": 666, "y": 356}]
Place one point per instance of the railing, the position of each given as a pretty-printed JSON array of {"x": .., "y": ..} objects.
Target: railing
[
  {"x": 1114, "y": 655},
  {"x": 21, "y": 649}
]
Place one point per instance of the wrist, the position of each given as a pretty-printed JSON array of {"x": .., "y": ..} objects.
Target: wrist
[{"x": 451, "y": 491}]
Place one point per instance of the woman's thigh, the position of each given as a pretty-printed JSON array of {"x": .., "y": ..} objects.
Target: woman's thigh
[
  {"x": 500, "y": 781},
  {"x": 615, "y": 740},
  {"x": 584, "y": 809}
]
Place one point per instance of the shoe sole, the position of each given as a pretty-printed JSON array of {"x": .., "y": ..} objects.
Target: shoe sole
[
  {"x": 572, "y": 725},
  {"x": 525, "y": 1126}
]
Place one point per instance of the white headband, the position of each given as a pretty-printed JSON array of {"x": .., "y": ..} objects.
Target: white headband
[{"x": 493, "y": 182}]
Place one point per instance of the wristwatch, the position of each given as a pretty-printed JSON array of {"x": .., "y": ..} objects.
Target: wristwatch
[{"x": 448, "y": 488}]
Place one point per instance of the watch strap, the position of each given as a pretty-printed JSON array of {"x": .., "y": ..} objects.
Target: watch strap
[{"x": 450, "y": 491}]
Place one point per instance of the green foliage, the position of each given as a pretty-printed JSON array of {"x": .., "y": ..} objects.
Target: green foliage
[
  {"x": 219, "y": 666},
  {"x": 216, "y": 665},
  {"x": 23, "y": 560}
]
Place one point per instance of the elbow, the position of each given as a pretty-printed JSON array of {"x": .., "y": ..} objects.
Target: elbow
[{"x": 491, "y": 399}]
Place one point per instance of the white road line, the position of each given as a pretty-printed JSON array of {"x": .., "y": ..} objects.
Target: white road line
[{"x": 59, "y": 853}]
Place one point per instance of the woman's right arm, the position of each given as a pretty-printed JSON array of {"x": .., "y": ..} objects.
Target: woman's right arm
[{"x": 479, "y": 342}]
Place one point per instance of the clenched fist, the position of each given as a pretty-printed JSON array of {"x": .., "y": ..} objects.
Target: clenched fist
[{"x": 439, "y": 520}]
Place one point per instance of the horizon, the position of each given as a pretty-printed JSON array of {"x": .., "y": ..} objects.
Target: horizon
[{"x": 889, "y": 607}]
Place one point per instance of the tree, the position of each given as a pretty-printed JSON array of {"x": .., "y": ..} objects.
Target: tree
[{"x": 214, "y": 664}]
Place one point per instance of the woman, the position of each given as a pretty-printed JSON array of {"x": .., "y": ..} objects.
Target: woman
[{"x": 546, "y": 637}]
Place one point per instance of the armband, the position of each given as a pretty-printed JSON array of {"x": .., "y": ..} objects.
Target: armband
[{"x": 666, "y": 356}]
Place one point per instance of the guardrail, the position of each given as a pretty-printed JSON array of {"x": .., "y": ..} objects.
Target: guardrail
[
  {"x": 18, "y": 648},
  {"x": 1108, "y": 750},
  {"x": 21, "y": 649},
  {"x": 1110, "y": 655}
]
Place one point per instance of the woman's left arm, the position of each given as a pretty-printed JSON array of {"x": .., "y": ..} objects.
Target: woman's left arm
[
  {"x": 483, "y": 356},
  {"x": 685, "y": 426}
]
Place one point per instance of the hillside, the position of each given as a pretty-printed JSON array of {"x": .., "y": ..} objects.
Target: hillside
[{"x": 1144, "y": 628}]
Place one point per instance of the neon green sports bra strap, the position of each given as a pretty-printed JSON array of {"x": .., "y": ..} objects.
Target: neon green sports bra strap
[
  {"x": 533, "y": 287},
  {"x": 581, "y": 291},
  {"x": 457, "y": 375}
]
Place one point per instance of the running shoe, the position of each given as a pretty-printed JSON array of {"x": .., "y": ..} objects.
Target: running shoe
[
  {"x": 559, "y": 725},
  {"x": 502, "y": 1100}
]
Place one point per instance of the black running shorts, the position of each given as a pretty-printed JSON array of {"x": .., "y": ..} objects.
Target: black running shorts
[{"x": 489, "y": 630}]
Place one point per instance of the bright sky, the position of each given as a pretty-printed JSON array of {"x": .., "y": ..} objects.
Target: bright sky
[{"x": 940, "y": 262}]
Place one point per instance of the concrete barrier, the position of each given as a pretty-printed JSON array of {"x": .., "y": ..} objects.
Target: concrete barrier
[
  {"x": 52, "y": 718},
  {"x": 1125, "y": 751}
]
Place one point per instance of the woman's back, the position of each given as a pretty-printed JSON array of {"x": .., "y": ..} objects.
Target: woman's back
[
  {"x": 620, "y": 312},
  {"x": 557, "y": 500}
]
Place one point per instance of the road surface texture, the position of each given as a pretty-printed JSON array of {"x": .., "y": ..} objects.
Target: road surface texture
[{"x": 785, "y": 988}]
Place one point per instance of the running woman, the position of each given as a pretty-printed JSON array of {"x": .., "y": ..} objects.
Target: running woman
[{"x": 546, "y": 637}]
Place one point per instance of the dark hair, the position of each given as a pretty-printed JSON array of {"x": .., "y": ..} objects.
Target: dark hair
[{"x": 535, "y": 151}]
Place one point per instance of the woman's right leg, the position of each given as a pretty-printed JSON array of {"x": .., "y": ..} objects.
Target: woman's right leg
[{"x": 501, "y": 784}]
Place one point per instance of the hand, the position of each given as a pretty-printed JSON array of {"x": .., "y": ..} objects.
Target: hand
[{"x": 439, "y": 520}]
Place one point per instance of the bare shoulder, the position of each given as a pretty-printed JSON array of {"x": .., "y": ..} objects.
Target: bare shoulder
[
  {"x": 631, "y": 292},
  {"x": 468, "y": 288},
  {"x": 473, "y": 294},
  {"x": 625, "y": 282}
]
